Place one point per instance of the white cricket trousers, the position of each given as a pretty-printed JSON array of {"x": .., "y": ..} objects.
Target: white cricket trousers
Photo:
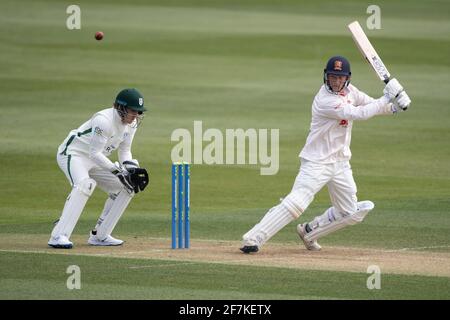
[
  {"x": 338, "y": 177},
  {"x": 78, "y": 168},
  {"x": 84, "y": 176}
]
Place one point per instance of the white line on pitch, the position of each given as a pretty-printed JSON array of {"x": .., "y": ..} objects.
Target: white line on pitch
[
  {"x": 417, "y": 248},
  {"x": 163, "y": 265}
]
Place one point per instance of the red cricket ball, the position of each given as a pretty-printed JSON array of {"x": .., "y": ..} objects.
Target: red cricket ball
[{"x": 99, "y": 35}]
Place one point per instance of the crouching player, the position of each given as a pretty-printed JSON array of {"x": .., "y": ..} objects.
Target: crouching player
[{"x": 83, "y": 157}]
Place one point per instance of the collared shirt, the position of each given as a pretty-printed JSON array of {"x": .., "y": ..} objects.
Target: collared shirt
[
  {"x": 98, "y": 137},
  {"x": 332, "y": 120}
]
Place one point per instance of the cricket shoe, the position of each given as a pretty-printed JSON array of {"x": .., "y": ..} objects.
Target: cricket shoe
[
  {"x": 250, "y": 245},
  {"x": 310, "y": 245},
  {"x": 249, "y": 249},
  {"x": 108, "y": 241},
  {"x": 60, "y": 242}
]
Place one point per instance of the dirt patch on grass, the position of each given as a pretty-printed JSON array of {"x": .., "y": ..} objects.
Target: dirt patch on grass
[{"x": 294, "y": 256}]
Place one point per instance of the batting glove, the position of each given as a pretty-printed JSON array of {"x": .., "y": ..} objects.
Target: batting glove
[
  {"x": 401, "y": 103},
  {"x": 392, "y": 89}
]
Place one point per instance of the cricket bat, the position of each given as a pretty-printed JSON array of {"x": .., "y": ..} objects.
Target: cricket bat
[{"x": 368, "y": 51}]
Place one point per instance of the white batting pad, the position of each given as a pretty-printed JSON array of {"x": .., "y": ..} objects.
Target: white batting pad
[
  {"x": 73, "y": 207},
  {"x": 108, "y": 204},
  {"x": 331, "y": 221},
  {"x": 296, "y": 202},
  {"x": 274, "y": 220},
  {"x": 111, "y": 214}
]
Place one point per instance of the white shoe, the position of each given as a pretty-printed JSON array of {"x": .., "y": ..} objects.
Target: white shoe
[
  {"x": 250, "y": 243},
  {"x": 108, "y": 241},
  {"x": 60, "y": 242},
  {"x": 310, "y": 245}
]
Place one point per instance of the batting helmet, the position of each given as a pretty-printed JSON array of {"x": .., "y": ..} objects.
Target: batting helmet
[{"x": 339, "y": 66}]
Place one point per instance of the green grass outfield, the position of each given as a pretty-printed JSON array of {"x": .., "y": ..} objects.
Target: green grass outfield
[
  {"x": 44, "y": 277},
  {"x": 231, "y": 64}
]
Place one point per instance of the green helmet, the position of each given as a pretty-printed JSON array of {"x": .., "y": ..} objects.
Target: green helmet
[{"x": 131, "y": 98}]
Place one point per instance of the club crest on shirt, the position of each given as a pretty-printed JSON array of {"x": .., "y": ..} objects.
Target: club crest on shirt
[{"x": 98, "y": 130}]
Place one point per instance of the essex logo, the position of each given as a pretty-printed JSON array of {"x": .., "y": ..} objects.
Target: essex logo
[
  {"x": 338, "y": 65},
  {"x": 343, "y": 123}
]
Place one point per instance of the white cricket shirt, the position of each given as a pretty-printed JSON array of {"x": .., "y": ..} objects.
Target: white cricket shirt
[
  {"x": 332, "y": 119},
  {"x": 98, "y": 137}
]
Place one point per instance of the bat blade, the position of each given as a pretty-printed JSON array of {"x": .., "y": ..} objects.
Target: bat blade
[{"x": 368, "y": 51}]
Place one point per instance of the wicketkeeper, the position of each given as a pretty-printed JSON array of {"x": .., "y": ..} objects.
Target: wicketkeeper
[
  {"x": 83, "y": 157},
  {"x": 325, "y": 159}
]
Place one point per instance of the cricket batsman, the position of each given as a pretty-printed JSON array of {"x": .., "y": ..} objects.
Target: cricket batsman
[
  {"x": 83, "y": 157},
  {"x": 325, "y": 159}
]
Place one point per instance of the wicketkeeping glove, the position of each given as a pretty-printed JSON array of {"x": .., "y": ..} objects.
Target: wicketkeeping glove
[
  {"x": 124, "y": 177},
  {"x": 139, "y": 179},
  {"x": 128, "y": 164}
]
